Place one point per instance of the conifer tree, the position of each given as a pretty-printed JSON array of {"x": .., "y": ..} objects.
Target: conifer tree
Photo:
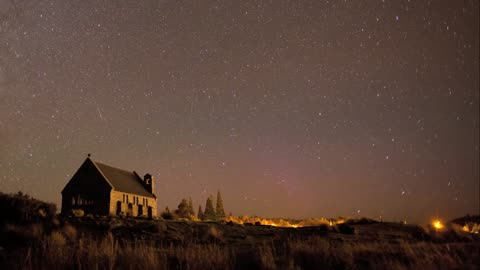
[
  {"x": 190, "y": 207},
  {"x": 182, "y": 210},
  {"x": 209, "y": 213},
  {"x": 200, "y": 213},
  {"x": 219, "y": 212}
]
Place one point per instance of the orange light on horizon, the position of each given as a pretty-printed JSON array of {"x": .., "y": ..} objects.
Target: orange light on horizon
[
  {"x": 437, "y": 224},
  {"x": 285, "y": 223}
]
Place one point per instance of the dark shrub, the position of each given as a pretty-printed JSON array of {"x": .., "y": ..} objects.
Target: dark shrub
[
  {"x": 167, "y": 216},
  {"x": 420, "y": 235},
  {"x": 366, "y": 221},
  {"x": 323, "y": 228},
  {"x": 345, "y": 229}
]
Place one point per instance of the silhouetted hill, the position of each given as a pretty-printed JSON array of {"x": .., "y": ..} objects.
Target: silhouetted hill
[
  {"x": 20, "y": 208},
  {"x": 466, "y": 219}
]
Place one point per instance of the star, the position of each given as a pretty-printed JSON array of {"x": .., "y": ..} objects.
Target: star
[{"x": 241, "y": 97}]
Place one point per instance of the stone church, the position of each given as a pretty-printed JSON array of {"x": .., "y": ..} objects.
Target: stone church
[{"x": 100, "y": 189}]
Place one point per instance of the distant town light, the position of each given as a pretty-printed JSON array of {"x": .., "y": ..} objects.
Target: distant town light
[{"x": 437, "y": 224}]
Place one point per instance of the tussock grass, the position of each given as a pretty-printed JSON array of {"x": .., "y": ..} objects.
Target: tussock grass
[
  {"x": 63, "y": 250},
  {"x": 67, "y": 248}
]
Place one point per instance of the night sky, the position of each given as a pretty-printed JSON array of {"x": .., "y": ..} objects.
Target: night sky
[{"x": 289, "y": 108}]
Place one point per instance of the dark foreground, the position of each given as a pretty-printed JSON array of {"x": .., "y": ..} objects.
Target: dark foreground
[{"x": 50, "y": 242}]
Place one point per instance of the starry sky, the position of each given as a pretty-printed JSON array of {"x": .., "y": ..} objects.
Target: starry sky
[{"x": 289, "y": 108}]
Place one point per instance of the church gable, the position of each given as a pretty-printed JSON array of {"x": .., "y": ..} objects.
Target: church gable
[
  {"x": 87, "y": 190},
  {"x": 88, "y": 179}
]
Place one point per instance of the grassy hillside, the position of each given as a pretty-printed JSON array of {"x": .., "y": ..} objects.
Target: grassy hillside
[
  {"x": 115, "y": 243},
  {"x": 20, "y": 208}
]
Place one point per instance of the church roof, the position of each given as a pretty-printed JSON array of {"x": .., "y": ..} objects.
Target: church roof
[{"x": 123, "y": 181}]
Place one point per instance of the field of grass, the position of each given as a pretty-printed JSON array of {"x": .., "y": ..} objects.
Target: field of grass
[{"x": 51, "y": 242}]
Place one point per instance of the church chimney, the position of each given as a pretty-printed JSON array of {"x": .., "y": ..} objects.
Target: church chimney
[{"x": 149, "y": 184}]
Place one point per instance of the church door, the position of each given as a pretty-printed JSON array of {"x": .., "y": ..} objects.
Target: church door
[
  {"x": 130, "y": 210},
  {"x": 150, "y": 212}
]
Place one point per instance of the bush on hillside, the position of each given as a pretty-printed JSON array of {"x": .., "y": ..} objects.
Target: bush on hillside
[{"x": 345, "y": 229}]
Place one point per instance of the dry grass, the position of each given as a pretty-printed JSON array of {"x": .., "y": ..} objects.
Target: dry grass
[
  {"x": 108, "y": 253},
  {"x": 318, "y": 252},
  {"x": 68, "y": 247},
  {"x": 60, "y": 250}
]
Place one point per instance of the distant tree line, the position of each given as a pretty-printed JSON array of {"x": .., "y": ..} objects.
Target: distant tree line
[{"x": 185, "y": 210}]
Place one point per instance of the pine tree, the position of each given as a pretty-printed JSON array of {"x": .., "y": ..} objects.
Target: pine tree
[
  {"x": 190, "y": 207},
  {"x": 219, "y": 212},
  {"x": 209, "y": 213},
  {"x": 200, "y": 213}
]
